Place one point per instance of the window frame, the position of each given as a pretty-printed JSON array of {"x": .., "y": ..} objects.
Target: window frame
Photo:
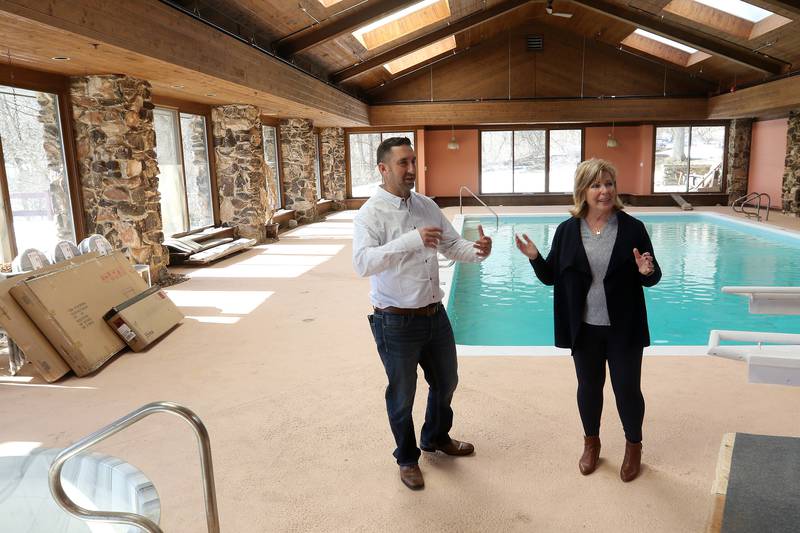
[
  {"x": 59, "y": 86},
  {"x": 532, "y": 127},
  {"x": 193, "y": 108},
  {"x": 275, "y": 124},
  {"x": 690, "y": 125},
  {"x": 357, "y": 131},
  {"x": 318, "y": 164}
]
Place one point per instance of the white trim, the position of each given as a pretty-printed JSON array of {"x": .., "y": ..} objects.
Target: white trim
[{"x": 549, "y": 351}]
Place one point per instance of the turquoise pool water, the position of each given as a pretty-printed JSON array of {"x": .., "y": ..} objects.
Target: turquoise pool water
[{"x": 501, "y": 303}]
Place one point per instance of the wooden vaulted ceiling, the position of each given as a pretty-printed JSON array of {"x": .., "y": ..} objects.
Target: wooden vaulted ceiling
[
  {"x": 300, "y": 58},
  {"x": 319, "y": 39}
]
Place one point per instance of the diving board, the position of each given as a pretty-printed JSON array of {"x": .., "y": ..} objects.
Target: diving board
[{"x": 770, "y": 300}]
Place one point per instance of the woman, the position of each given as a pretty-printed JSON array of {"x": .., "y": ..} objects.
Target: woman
[{"x": 599, "y": 261}]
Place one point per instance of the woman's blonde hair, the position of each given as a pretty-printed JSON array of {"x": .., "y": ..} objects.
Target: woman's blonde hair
[{"x": 587, "y": 173}]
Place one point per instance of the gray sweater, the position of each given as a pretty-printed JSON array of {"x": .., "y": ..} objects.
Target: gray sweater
[{"x": 598, "y": 252}]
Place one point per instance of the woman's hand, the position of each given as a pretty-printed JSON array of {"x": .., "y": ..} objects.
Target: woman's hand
[
  {"x": 527, "y": 247},
  {"x": 644, "y": 262}
]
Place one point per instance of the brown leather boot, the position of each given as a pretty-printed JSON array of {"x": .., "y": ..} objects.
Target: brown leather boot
[
  {"x": 632, "y": 462},
  {"x": 591, "y": 453},
  {"x": 411, "y": 476}
]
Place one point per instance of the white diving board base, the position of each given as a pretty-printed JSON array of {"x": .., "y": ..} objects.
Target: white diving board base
[{"x": 775, "y": 358}]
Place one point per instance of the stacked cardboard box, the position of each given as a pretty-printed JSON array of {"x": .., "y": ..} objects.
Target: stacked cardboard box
[{"x": 56, "y": 315}]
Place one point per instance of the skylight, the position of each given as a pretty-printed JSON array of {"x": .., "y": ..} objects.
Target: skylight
[
  {"x": 668, "y": 42},
  {"x": 423, "y": 54},
  {"x": 402, "y": 23},
  {"x": 738, "y": 8}
]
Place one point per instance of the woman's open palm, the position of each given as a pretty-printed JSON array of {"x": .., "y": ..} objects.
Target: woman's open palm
[{"x": 527, "y": 246}]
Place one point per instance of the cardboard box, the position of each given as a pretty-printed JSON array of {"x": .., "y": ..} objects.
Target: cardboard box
[
  {"x": 21, "y": 329},
  {"x": 68, "y": 307},
  {"x": 144, "y": 318}
]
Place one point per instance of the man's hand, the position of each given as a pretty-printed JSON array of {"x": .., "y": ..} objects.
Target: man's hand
[
  {"x": 483, "y": 244},
  {"x": 431, "y": 235},
  {"x": 644, "y": 262}
]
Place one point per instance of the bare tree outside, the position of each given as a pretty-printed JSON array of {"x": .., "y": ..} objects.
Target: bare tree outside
[{"x": 38, "y": 186}]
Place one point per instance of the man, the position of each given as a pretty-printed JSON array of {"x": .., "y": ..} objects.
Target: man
[{"x": 396, "y": 237}]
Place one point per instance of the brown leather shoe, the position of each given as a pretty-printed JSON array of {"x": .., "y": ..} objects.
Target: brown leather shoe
[
  {"x": 591, "y": 454},
  {"x": 454, "y": 447},
  {"x": 632, "y": 463},
  {"x": 411, "y": 476}
]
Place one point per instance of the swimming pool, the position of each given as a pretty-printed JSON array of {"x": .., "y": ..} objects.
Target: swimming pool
[{"x": 501, "y": 303}]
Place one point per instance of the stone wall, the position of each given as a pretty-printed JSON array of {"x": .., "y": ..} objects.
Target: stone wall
[
  {"x": 239, "y": 151},
  {"x": 115, "y": 139},
  {"x": 299, "y": 182},
  {"x": 791, "y": 173},
  {"x": 739, "y": 136},
  {"x": 56, "y": 169},
  {"x": 334, "y": 185}
]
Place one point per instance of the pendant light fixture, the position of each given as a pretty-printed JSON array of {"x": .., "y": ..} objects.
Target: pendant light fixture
[
  {"x": 453, "y": 144},
  {"x": 612, "y": 141}
]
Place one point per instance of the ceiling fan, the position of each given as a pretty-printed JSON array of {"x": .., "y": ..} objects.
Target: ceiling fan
[{"x": 549, "y": 9}]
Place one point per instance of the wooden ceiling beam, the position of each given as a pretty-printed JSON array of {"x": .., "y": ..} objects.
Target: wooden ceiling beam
[
  {"x": 568, "y": 110},
  {"x": 460, "y": 25},
  {"x": 687, "y": 36},
  {"x": 788, "y": 5},
  {"x": 767, "y": 100},
  {"x": 160, "y": 44},
  {"x": 331, "y": 29}
]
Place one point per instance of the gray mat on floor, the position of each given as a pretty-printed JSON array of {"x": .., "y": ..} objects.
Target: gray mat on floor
[{"x": 763, "y": 486}]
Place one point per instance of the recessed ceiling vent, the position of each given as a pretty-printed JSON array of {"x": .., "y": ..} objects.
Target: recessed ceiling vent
[{"x": 535, "y": 43}]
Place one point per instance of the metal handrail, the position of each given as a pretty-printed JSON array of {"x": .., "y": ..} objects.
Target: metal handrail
[
  {"x": 461, "y": 207},
  {"x": 57, "y": 489},
  {"x": 743, "y": 201}
]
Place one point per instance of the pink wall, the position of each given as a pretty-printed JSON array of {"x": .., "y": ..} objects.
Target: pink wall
[
  {"x": 447, "y": 170},
  {"x": 443, "y": 171},
  {"x": 633, "y": 156},
  {"x": 767, "y": 158}
]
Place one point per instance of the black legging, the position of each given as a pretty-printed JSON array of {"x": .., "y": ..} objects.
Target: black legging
[{"x": 592, "y": 348}]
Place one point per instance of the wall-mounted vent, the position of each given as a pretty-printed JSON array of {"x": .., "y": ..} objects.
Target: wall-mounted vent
[{"x": 535, "y": 43}]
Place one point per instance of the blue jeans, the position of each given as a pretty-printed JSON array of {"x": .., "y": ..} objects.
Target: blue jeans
[{"x": 403, "y": 343}]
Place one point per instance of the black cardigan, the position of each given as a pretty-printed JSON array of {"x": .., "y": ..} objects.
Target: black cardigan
[{"x": 567, "y": 267}]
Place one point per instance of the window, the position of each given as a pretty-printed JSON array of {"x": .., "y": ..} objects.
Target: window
[
  {"x": 689, "y": 159},
  {"x": 529, "y": 161},
  {"x": 317, "y": 173},
  {"x": 402, "y": 22},
  {"x": 734, "y": 17},
  {"x": 274, "y": 193},
  {"x": 37, "y": 208},
  {"x": 364, "y": 175},
  {"x": 184, "y": 180},
  {"x": 663, "y": 48}
]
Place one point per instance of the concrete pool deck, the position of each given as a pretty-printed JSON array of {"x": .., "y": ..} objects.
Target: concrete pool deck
[{"x": 278, "y": 361}]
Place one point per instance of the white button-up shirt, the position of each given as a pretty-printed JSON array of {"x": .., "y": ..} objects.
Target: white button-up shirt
[{"x": 387, "y": 246}]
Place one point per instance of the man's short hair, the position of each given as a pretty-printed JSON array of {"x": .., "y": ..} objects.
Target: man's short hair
[{"x": 386, "y": 146}]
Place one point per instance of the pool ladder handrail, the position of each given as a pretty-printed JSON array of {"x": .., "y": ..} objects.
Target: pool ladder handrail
[
  {"x": 133, "y": 519},
  {"x": 461, "y": 206},
  {"x": 740, "y": 203}
]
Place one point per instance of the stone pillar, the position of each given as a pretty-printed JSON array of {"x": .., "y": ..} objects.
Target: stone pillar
[
  {"x": 57, "y": 178},
  {"x": 297, "y": 151},
  {"x": 116, "y": 140},
  {"x": 791, "y": 172},
  {"x": 739, "y": 136},
  {"x": 333, "y": 166},
  {"x": 239, "y": 151}
]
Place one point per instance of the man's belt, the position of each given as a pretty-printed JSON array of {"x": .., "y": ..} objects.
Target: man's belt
[{"x": 428, "y": 310}]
